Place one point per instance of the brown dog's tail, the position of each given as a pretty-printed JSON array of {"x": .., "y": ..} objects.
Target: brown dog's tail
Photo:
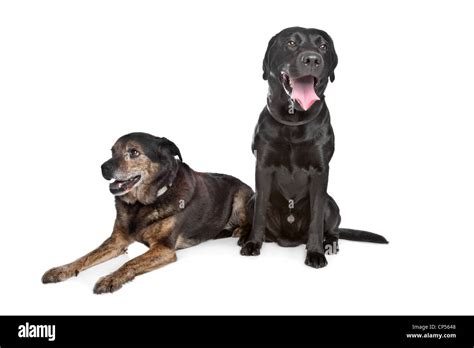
[{"x": 361, "y": 236}]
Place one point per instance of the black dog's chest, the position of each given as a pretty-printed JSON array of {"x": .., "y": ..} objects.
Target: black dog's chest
[
  {"x": 295, "y": 159},
  {"x": 292, "y": 184},
  {"x": 293, "y": 167}
]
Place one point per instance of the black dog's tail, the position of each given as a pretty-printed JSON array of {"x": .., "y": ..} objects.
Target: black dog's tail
[{"x": 361, "y": 236}]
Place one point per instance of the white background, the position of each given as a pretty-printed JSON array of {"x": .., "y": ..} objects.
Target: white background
[{"x": 76, "y": 75}]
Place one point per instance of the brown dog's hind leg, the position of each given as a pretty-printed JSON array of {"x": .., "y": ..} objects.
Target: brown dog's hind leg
[
  {"x": 243, "y": 233},
  {"x": 114, "y": 246},
  {"x": 239, "y": 224},
  {"x": 156, "y": 257}
]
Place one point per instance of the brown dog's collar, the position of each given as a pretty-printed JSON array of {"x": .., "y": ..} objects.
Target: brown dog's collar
[{"x": 162, "y": 190}]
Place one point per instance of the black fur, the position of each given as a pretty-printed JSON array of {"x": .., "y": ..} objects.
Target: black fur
[{"x": 293, "y": 150}]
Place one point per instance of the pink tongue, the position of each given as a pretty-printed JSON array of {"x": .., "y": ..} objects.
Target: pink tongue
[{"x": 303, "y": 92}]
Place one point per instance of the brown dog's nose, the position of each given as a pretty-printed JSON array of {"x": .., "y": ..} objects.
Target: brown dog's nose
[
  {"x": 107, "y": 170},
  {"x": 311, "y": 59}
]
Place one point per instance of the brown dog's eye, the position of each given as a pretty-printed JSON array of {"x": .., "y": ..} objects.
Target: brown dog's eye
[
  {"x": 291, "y": 43},
  {"x": 134, "y": 153},
  {"x": 323, "y": 46}
]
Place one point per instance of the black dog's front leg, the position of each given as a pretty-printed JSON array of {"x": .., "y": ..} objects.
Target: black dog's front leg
[
  {"x": 318, "y": 198},
  {"x": 263, "y": 184}
]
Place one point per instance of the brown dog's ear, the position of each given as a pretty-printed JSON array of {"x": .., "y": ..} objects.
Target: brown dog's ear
[
  {"x": 332, "y": 77},
  {"x": 170, "y": 146},
  {"x": 266, "y": 59}
]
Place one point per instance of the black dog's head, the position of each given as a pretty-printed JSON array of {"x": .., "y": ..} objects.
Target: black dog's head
[
  {"x": 301, "y": 61},
  {"x": 138, "y": 160}
]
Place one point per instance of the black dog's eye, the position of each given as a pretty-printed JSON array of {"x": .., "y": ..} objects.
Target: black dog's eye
[
  {"x": 291, "y": 43},
  {"x": 323, "y": 46},
  {"x": 134, "y": 153}
]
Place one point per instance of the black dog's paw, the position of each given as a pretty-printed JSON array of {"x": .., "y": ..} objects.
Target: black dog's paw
[
  {"x": 331, "y": 246},
  {"x": 107, "y": 284},
  {"x": 58, "y": 274},
  {"x": 251, "y": 248},
  {"x": 316, "y": 260}
]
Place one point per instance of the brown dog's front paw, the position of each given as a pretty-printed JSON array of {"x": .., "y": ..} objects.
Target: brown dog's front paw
[
  {"x": 107, "y": 284},
  {"x": 58, "y": 274},
  {"x": 316, "y": 260},
  {"x": 251, "y": 248}
]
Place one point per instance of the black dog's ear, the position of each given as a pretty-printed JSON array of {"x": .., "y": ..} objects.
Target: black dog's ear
[
  {"x": 170, "y": 146},
  {"x": 333, "y": 65},
  {"x": 334, "y": 60},
  {"x": 266, "y": 59}
]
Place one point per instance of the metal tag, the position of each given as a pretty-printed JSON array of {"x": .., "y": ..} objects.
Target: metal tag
[{"x": 290, "y": 218}]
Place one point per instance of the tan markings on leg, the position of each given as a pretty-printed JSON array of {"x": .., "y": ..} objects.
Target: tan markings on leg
[
  {"x": 114, "y": 246},
  {"x": 183, "y": 243},
  {"x": 239, "y": 215},
  {"x": 156, "y": 257},
  {"x": 158, "y": 231},
  {"x": 238, "y": 232}
]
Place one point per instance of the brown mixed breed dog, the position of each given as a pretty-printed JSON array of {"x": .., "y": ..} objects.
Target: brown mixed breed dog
[{"x": 162, "y": 203}]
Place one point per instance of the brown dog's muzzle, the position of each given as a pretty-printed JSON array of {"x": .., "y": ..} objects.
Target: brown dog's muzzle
[{"x": 107, "y": 170}]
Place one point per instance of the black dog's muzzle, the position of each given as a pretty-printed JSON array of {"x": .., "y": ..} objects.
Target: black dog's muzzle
[{"x": 307, "y": 63}]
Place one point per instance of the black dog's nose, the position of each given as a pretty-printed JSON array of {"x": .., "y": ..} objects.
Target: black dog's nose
[
  {"x": 311, "y": 59},
  {"x": 107, "y": 170}
]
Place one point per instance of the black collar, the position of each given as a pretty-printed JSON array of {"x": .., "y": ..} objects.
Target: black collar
[{"x": 297, "y": 123}]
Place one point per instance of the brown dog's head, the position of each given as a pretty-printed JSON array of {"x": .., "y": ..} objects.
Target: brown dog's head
[{"x": 139, "y": 160}]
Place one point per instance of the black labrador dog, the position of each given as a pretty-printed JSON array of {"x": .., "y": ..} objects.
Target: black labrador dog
[{"x": 293, "y": 144}]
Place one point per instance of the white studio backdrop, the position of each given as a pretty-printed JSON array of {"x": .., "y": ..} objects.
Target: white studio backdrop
[{"x": 76, "y": 75}]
